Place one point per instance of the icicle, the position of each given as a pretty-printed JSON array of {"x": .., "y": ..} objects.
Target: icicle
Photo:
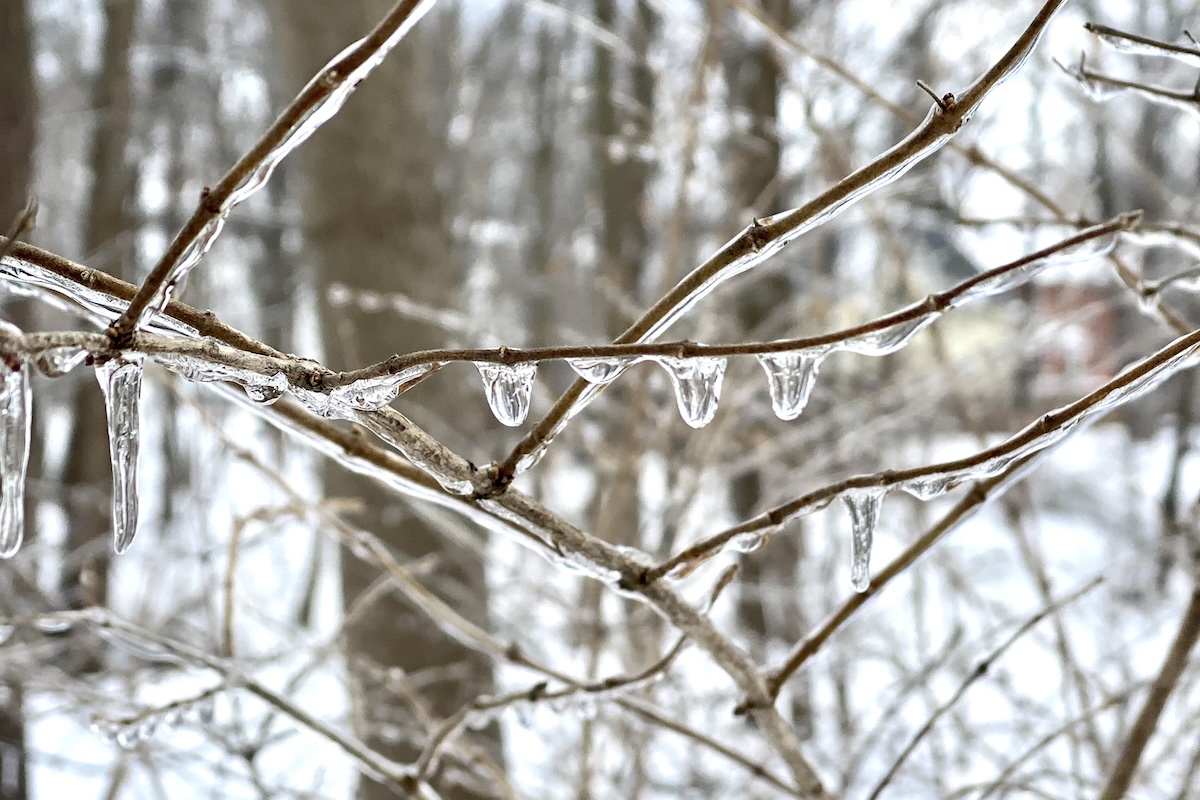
[
  {"x": 863, "y": 505},
  {"x": 266, "y": 391},
  {"x": 508, "y": 389},
  {"x": 58, "y": 361},
  {"x": 15, "y": 402},
  {"x": 602, "y": 370},
  {"x": 791, "y": 378},
  {"x": 697, "y": 384},
  {"x": 886, "y": 341},
  {"x": 121, "y": 383}
]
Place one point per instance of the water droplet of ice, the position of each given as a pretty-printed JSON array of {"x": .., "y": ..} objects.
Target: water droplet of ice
[
  {"x": 267, "y": 390},
  {"x": 791, "y": 378},
  {"x": 929, "y": 487},
  {"x": 748, "y": 542},
  {"x": 121, "y": 384},
  {"x": 58, "y": 361},
  {"x": 15, "y": 405},
  {"x": 863, "y": 505},
  {"x": 697, "y": 384},
  {"x": 602, "y": 370},
  {"x": 508, "y": 389},
  {"x": 52, "y": 625},
  {"x": 533, "y": 457}
]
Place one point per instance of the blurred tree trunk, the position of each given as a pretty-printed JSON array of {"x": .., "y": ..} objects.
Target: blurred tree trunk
[
  {"x": 620, "y": 133},
  {"x": 87, "y": 474},
  {"x": 18, "y": 100},
  {"x": 374, "y": 220},
  {"x": 768, "y": 604}
]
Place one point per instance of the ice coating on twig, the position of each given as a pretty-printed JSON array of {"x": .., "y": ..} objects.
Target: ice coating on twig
[
  {"x": 1141, "y": 46},
  {"x": 30, "y": 279},
  {"x": 58, "y": 361},
  {"x": 121, "y": 383},
  {"x": 508, "y": 389},
  {"x": 602, "y": 370},
  {"x": 697, "y": 383},
  {"x": 885, "y": 341},
  {"x": 372, "y": 394},
  {"x": 15, "y": 418},
  {"x": 791, "y": 378},
  {"x": 1018, "y": 276},
  {"x": 316, "y": 116},
  {"x": 864, "y": 505}
]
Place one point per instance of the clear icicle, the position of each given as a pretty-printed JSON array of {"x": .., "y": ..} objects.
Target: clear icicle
[
  {"x": 601, "y": 370},
  {"x": 15, "y": 403},
  {"x": 508, "y": 389},
  {"x": 863, "y": 505},
  {"x": 791, "y": 378},
  {"x": 121, "y": 383},
  {"x": 929, "y": 487},
  {"x": 697, "y": 384}
]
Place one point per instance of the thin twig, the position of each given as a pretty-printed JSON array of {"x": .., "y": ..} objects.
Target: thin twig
[
  {"x": 981, "y": 669},
  {"x": 214, "y": 202},
  {"x": 1126, "y": 762},
  {"x": 763, "y": 238}
]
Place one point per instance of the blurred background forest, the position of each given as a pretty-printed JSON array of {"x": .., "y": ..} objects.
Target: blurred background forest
[{"x": 538, "y": 172}]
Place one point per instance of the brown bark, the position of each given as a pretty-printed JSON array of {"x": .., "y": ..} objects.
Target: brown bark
[{"x": 373, "y": 220}]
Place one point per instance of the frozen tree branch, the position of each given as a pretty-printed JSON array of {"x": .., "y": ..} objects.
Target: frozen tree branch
[
  {"x": 758, "y": 242},
  {"x": 317, "y": 103}
]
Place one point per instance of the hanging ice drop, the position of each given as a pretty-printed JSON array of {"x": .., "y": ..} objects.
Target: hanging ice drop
[
  {"x": 863, "y": 505},
  {"x": 121, "y": 383},
  {"x": 14, "y": 455},
  {"x": 601, "y": 370},
  {"x": 697, "y": 384},
  {"x": 508, "y": 389},
  {"x": 791, "y": 378}
]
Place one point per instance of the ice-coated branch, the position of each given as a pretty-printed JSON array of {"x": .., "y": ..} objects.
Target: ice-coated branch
[
  {"x": 108, "y": 625},
  {"x": 980, "y": 670},
  {"x": 1125, "y": 763},
  {"x": 972, "y": 153},
  {"x": 1101, "y": 87},
  {"x": 316, "y": 104},
  {"x": 929, "y": 481},
  {"x": 1143, "y": 46},
  {"x": 513, "y": 514},
  {"x": 763, "y": 238},
  {"x": 791, "y": 364}
]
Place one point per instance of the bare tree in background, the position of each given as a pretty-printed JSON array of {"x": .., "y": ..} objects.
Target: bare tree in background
[
  {"x": 652, "y": 610},
  {"x": 373, "y": 221}
]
